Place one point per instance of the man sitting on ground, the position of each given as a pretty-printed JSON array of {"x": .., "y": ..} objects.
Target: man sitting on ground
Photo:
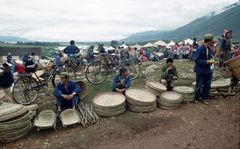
[
  {"x": 6, "y": 77},
  {"x": 169, "y": 73},
  {"x": 67, "y": 93},
  {"x": 121, "y": 82}
]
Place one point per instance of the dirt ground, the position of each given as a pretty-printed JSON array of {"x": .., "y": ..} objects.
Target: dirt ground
[{"x": 192, "y": 126}]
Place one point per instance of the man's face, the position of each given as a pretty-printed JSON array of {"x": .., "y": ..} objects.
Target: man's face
[
  {"x": 169, "y": 64},
  {"x": 64, "y": 80},
  {"x": 125, "y": 73}
]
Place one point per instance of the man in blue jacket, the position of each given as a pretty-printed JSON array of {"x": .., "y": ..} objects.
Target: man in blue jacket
[
  {"x": 71, "y": 50},
  {"x": 203, "y": 67},
  {"x": 121, "y": 82},
  {"x": 6, "y": 77},
  {"x": 67, "y": 93}
]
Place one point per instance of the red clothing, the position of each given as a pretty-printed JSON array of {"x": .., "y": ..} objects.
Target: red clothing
[
  {"x": 237, "y": 53},
  {"x": 19, "y": 68}
]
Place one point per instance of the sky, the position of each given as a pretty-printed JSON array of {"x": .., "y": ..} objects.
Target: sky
[{"x": 97, "y": 20}]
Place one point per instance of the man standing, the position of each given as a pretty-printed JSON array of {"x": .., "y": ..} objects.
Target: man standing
[
  {"x": 71, "y": 50},
  {"x": 9, "y": 58},
  {"x": 225, "y": 48},
  {"x": 66, "y": 92},
  {"x": 203, "y": 62},
  {"x": 169, "y": 73}
]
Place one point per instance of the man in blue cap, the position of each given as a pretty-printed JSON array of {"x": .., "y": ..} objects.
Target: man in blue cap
[
  {"x": 203, "y": 67},
  {"x": 66, "y": 92}
]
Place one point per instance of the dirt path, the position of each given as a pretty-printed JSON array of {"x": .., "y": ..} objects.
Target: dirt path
[{"x": 215, "y": 126}]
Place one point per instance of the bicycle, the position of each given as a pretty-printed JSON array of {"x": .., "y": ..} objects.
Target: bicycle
[
  {"x": 26, "y": 88},
  {"x": 75, "y": 64},
  {"x": 97, "y": 71}
]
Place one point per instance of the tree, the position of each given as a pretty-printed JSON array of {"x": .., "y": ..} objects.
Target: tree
[{"x": 114, "y": 43}]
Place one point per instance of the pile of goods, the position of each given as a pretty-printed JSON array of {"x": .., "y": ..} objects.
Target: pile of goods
[
  {"x": 14, "y": 121},
  {"x": 109, "y": 104},
  {"x": 170, "y": 100},
  {"x": 186, "y": 92},
  {"x": 87, "y": 114},
  {"x": 140, "y": 100},
  {"x": 155, "y": 87}
]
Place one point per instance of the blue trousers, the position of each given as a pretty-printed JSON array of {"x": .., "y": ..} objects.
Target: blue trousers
[
  {"x": 67, "y": 103},
  {"x": 203, "y": 86}
]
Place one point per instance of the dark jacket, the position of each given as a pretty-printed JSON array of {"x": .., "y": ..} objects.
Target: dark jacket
[
  {"x": 164, "y": 72},
  {"x": 6, "y": 79},
  {"x": 72, "y": 87},
  {"x": 71, "y": 49},
  {"x": 200, "y": 57}
]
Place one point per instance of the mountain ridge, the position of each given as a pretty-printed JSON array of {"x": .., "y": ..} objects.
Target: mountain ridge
[{"x": 213, "y": 23}]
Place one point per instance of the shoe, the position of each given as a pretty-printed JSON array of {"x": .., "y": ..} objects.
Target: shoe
[
  {"x": 196, "y": 101},
  {"x": 205, "y": 102}
]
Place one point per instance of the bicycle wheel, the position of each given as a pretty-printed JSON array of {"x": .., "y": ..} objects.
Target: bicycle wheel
[
  {"x": 57, "y": 79},
  {"x": 25, "y": 90},
  {"x": 70, "y": 65},
  {"x": 132, "y": 68},
  {"x": 96, "y": 73}
]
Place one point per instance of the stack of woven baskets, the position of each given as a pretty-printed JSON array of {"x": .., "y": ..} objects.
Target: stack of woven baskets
[
  {"x": 170, "y": 100},
  {"x": 141, "y": 100},
  {"x": 109, "y": 104},
  {"x": 221, "y": 85},
  {"x": 186, "y": 92},
  {"x": 14, "y": 121},
  {"x": 155, "y": 87}
]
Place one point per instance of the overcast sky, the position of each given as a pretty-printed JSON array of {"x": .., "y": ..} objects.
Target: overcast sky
[{"x": 97, "y": 20}]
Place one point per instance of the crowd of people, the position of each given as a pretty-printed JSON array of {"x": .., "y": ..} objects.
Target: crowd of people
[{"x": 204, "y": 55}]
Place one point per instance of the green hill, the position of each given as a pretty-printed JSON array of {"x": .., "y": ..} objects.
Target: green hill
[{"x": 229, "y": 19}]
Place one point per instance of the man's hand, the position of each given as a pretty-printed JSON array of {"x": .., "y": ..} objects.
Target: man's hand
[
  {"x": 64, "y": 96},
  {"x": 169, "y": 68},
  {"x": 71, "y": 96},
  {"x": 210, "y": 61}
]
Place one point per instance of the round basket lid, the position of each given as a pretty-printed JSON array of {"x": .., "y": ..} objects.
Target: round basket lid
[
  {"x": 9, "y": 108},
  {"x": 156, "y": 85},
  {"x": 183, "y": 89},
  {"x": 109, "y": 99},
  {"x": 141, "y": 95},
  {"x": 171, "y": 96}
]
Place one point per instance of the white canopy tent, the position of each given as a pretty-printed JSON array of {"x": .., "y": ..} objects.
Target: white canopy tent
[
  {"x": 124, "y": 46},
  {"x": 136, "y": 46},
  {"x": 148, "y": 45},
  {"x": 160, "y": 43},
  {"x": 110, "y": 48},
  {"x": 171, "y": 43},
  {"x": 190, "y": 41}
]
